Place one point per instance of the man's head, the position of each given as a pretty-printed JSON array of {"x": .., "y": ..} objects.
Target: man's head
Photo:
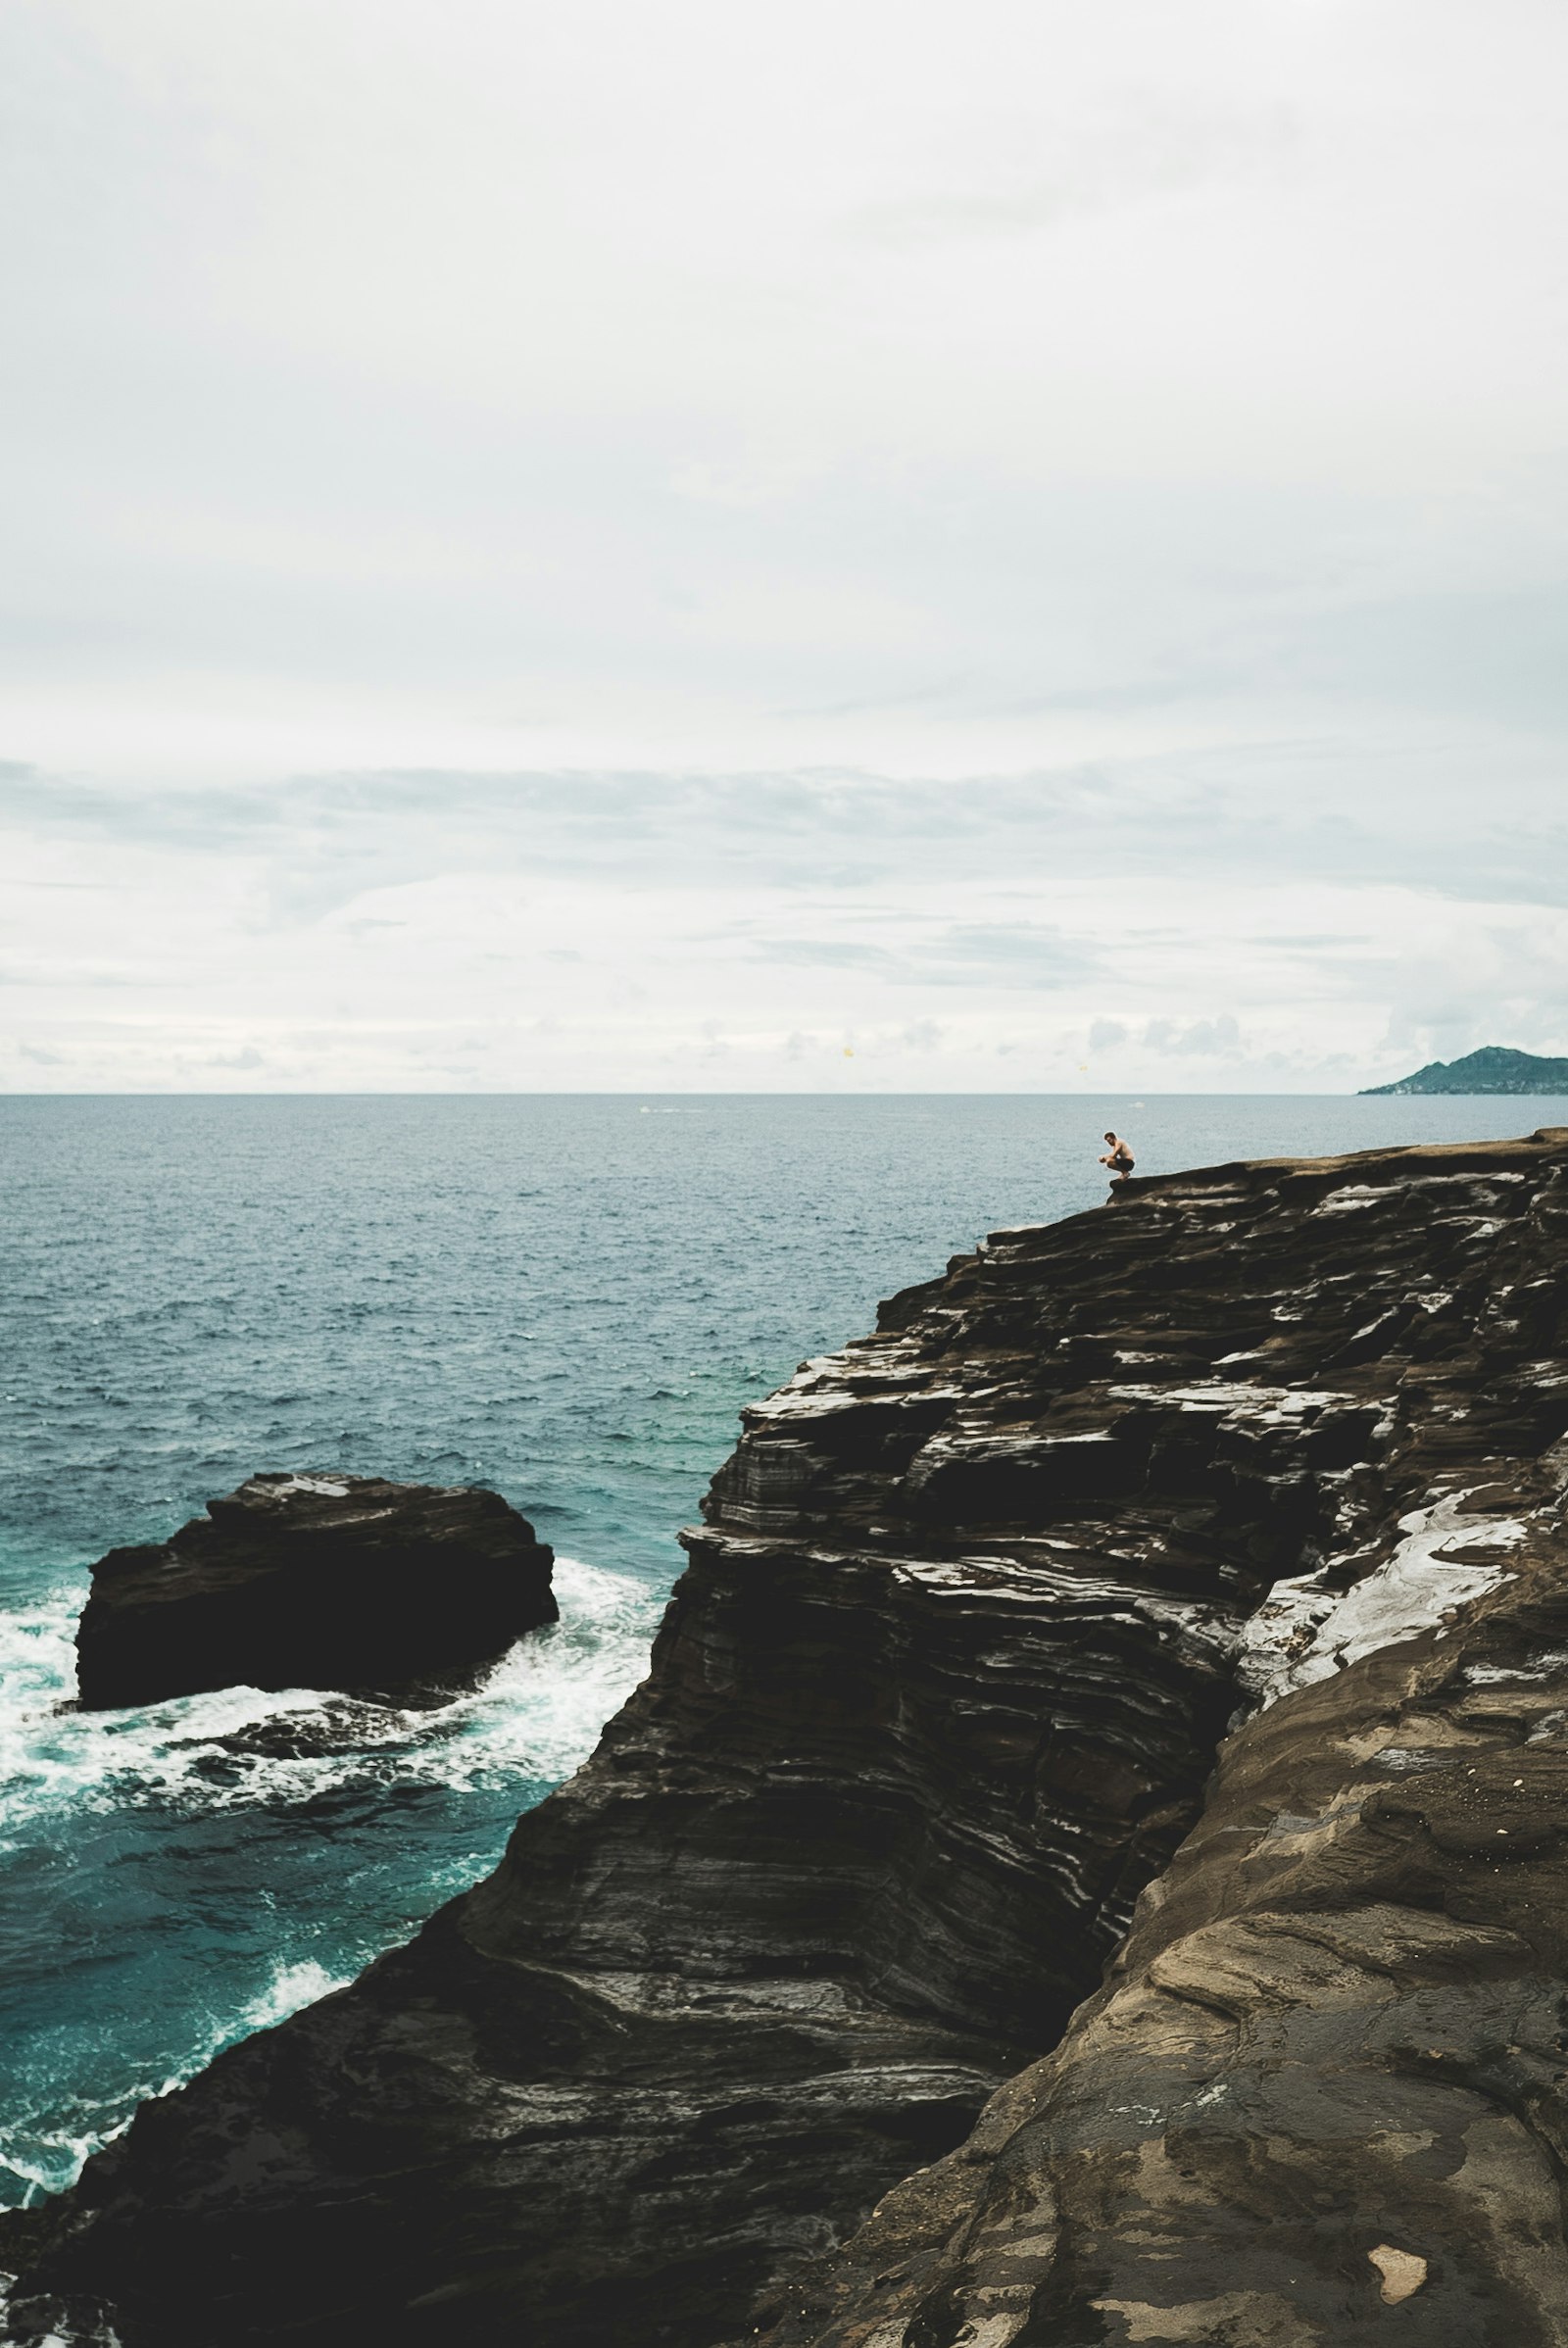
[{"x": 1110, "y": 1137}]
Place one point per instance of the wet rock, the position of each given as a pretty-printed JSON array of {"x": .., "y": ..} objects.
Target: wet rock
[
  {"x": 316, "y": 1580},
  {"x": 937, "y": 1699},
  {"x": 1328, "y": 2073}
]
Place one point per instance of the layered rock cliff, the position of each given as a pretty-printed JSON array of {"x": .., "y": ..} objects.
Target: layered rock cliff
[{"x": 935, "y": 1702}]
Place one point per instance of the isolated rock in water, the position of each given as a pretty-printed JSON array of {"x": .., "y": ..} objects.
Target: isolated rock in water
[
  {"x": 316, "y": 1580},
  {"x": 936, "y": 1697}
]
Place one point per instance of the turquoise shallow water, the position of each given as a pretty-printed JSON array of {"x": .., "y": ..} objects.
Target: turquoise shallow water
[{"x": 566, "y": 1298}]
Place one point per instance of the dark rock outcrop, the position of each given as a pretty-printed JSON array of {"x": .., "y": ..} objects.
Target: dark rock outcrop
[
  {"x": 316, "y": 1580},
  {"x": 935, "y": 1702},
  {"x": 1328, "y": 2074}
]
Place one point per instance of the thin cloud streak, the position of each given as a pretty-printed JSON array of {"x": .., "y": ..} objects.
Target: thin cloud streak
[{"x": 630, "y": 931}]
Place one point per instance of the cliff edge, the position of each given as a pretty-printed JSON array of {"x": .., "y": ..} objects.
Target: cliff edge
[{"x": 1269, "y": 1449}]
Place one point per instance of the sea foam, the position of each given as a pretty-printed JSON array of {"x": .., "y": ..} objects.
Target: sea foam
[{"x": 261, "y": 1760}]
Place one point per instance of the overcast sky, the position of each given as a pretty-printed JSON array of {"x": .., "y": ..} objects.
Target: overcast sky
[{"x": 1002, "y": 545}]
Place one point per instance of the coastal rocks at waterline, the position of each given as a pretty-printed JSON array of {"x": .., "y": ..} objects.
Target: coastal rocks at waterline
[
  {"x": 316, "y": 1580},
  {"x": 973, "y": 1606}
]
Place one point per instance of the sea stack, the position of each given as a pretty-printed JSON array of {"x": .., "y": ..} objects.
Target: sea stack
[
  {"x": 1263, "y": 1470},
  {"x": 316, "y": 1580}
]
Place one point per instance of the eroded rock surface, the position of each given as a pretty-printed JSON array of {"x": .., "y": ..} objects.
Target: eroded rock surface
[
  {"x": 1329, "y": 2072},
  {"x": 935, "y": 1700},
  {"x": 316, "y": 1580}
]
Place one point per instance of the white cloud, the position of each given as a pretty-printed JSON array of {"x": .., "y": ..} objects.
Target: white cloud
[
  {"x": 570, "y": 934},
  {"x": 616, "y": 387},
  {"x": 500, "y": 485}
]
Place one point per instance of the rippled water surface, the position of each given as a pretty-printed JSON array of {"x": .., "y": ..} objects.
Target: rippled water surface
[{"x": 567, "y": 1298}]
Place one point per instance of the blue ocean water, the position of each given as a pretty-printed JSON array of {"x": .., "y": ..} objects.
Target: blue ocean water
[{"x": 566, "y": 1298}]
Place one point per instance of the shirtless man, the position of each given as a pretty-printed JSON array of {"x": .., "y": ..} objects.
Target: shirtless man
[{"x": 1118, "y": 1157}]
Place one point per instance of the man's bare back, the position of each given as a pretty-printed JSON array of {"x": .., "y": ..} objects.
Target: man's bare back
[{"x": 1118, "y": 1157}]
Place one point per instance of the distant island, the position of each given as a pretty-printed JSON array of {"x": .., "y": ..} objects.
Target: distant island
[{"x": 1492, "y": 1069}]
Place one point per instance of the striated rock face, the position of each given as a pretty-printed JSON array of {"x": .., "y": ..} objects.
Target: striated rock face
[
  {"x": 1328, "y": 2074},
  {"x": 315, "y": 1580},
  {"x": 935, "y": 1702}
]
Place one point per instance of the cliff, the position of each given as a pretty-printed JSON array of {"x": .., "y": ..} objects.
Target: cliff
[
  {"x": 1326, "y": 2074},
  {"x": 937, "y": 1698},
  {"x": 1492, "y": 1069}
]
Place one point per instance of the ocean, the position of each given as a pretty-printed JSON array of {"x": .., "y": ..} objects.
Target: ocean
[{"x": 568, "y": 1298}]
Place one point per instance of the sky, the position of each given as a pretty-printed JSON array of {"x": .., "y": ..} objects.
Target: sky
[{"x": 844, "y": 547}]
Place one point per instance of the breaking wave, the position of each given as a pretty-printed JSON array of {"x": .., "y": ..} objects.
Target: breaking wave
[
  {"x": 535, "y": 1715},
  {"x": 250, "y": 1775}
]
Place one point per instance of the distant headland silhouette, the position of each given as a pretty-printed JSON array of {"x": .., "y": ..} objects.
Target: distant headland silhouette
[{"x": 1492, "y": 1069}]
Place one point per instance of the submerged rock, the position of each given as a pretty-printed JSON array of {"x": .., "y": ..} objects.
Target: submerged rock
[
  {"x": 318, "y": 1581},
  {"x": 936, "y": 1701}
]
